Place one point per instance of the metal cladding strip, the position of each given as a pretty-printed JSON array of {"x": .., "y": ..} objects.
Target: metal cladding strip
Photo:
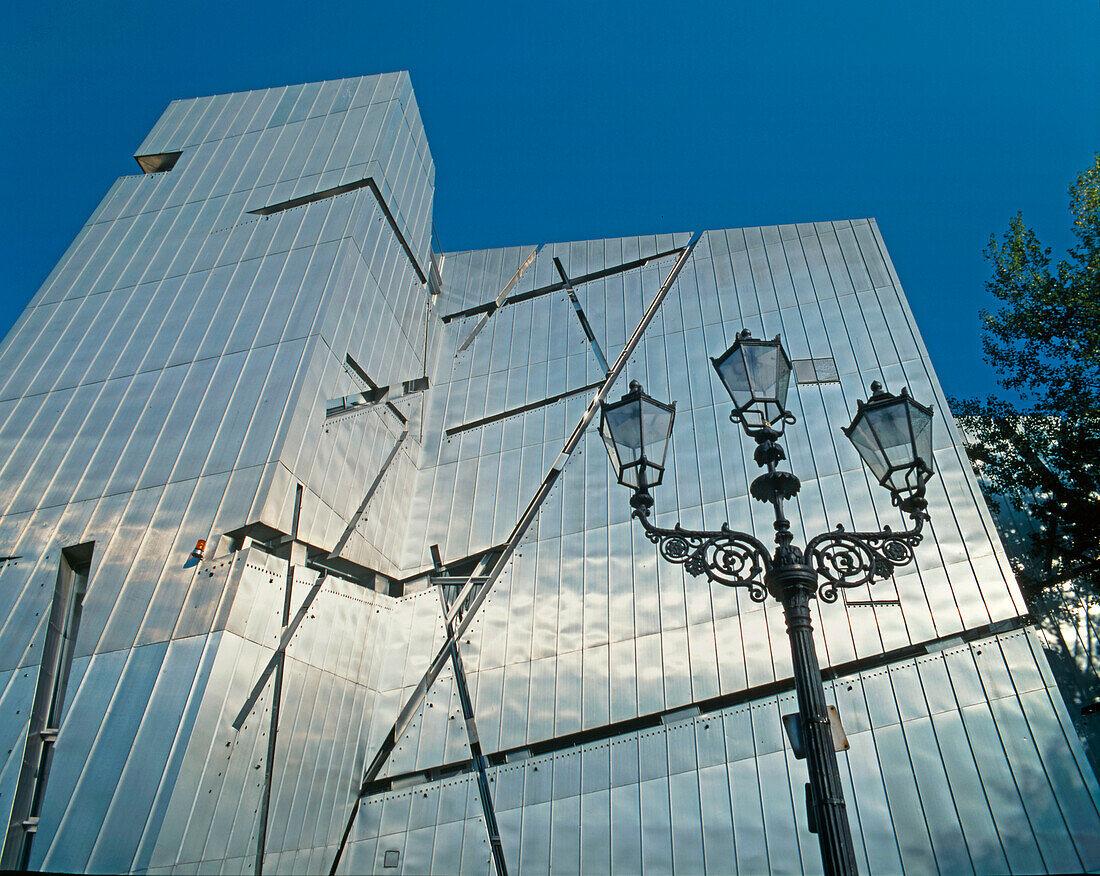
[
  {"x": 355, "y": 518},
  {"x": 413, "y": 703},
  {"x": 508, "y": 287},
  {"x": 279, "y": 659},
  {"x": 588, "y": 333},
  {"x": 292, "y": 626},
  {"x": 478, "y": 758},
  {"x": 284, "y": 639}
]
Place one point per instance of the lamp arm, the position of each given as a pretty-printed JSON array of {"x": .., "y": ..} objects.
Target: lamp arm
[
  {"x": 851, "y": 559},
  {"x": 735, "y": 559}
]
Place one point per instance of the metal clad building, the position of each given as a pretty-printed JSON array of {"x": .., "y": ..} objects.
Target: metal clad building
[{"x": 253, "y": 344}]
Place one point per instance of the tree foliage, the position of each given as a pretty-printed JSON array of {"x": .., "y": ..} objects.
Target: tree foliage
[{"x": 1042, "y": 452}]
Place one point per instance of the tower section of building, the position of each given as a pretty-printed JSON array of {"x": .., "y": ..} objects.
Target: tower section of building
[{"x": 168, "y": 384}]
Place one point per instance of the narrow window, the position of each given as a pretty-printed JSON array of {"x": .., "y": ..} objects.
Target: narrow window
[{"x": 49, "y": 700}]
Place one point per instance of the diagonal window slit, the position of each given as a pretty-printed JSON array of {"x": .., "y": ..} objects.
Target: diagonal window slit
[
  {"x": 284, "y": 639},
  {"x": 491, "y": 306},
  {"x": 345, "y": 404},
  {"x": 522, "y": 409},
  {"x": 500, "y": 299},
  {"x": 374, "y": 393},
  {"x": 588, "y": 333},
  {"x": 371, "y": 490}
]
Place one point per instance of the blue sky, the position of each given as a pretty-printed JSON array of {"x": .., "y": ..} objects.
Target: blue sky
[{"x": 578, "y": 120}]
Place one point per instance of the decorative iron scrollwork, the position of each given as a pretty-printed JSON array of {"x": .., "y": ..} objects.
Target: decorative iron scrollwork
[
  {"x": 850, "y": 559},
  {"x": 735, "y": 559}
]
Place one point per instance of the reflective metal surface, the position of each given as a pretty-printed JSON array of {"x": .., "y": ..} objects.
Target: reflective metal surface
[{"x": 170, "y": 382}]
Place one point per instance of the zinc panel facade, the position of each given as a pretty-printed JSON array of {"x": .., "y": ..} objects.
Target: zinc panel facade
[{"x": 171, "y": 381}]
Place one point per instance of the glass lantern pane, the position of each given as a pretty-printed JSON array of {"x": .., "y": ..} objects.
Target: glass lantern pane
[
  {"x": 630, "y": 476},
  {"x": 783, "y": 379},
  {"x": 897, "y": 438},
  {"x": 901, "y": 479},
  {"x": 863, "y": 437},
  {"x": 625, "y": 428},
  {"x": 761, "y": 361},
  {"x": 922, "y": 434},
  {"x": 772, "y": 412},
  {"x": 890, "y": 423},
  {"x": 656, "y": 427},
  {"x": 609, "y": 443},
  {"x": 734, "y": 375}
]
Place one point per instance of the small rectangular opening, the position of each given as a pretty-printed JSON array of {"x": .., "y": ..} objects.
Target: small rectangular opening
[
  {"x": 435, "y": 273},
  {"x": 417, "y": 384},
  {"x": 161, "y": 162},
  {"x": 815, "y": 371},
  {"x": 345, "y": 403}
]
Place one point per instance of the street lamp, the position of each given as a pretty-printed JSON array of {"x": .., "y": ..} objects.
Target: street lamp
[
  {"x": 893, "y": 435},
  {"x": 756, "y": 374}
]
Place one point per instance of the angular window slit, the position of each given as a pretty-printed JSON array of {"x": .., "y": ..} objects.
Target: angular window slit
[
  {"x": 160, "y": 162},
  {"x": 358, "y": 371},
  {"x": 325, "y": 194},
  {"x": 499, "y": 300},
  {"x": 344, "y": 404},
  {"x": 815, "y": 371},
  {"x": 452, "y": 579},
  {"x": 322, "y": 195}
]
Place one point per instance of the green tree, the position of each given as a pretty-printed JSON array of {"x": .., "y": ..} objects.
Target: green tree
[{"x": 1042, "y": 452}]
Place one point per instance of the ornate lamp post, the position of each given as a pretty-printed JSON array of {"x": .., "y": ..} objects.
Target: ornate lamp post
[{"x": 893, "y": 435}]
